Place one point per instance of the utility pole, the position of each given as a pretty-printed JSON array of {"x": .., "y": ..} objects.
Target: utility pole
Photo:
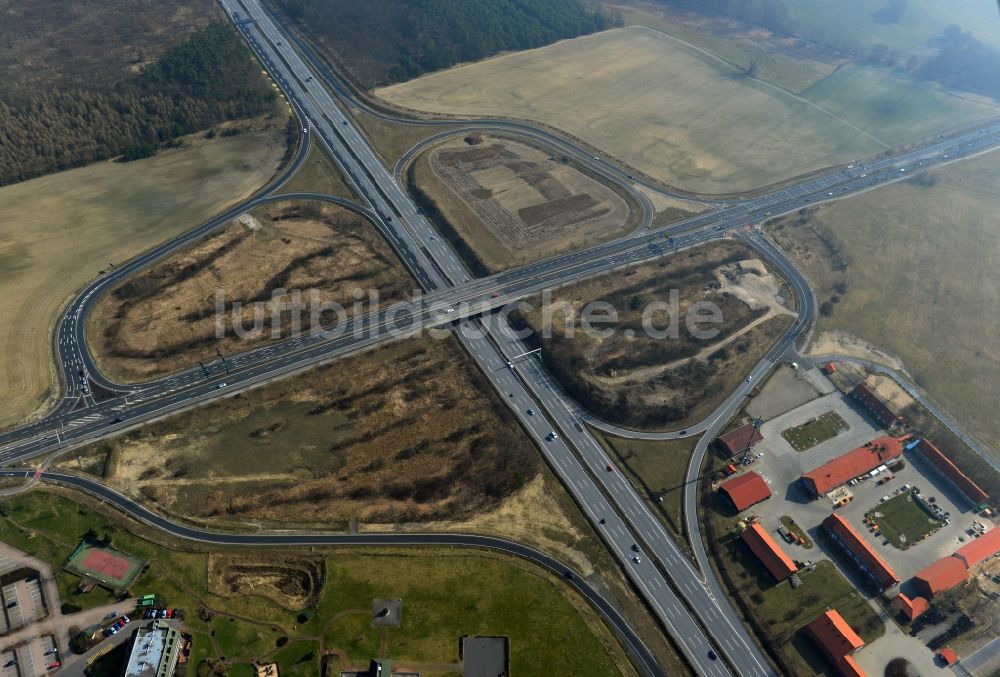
[
  {"x": 223, "y": 358},
  {"x": 756, "y": 423}
]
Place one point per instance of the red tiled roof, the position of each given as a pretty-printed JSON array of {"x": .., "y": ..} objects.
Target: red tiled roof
[
  {"x": 849, "y": 667},
  {"x": 837, "y": 639},
  {"x": 948, "y": 655},
  {"x": 940, "y": 576},
  {"x": 735, "y": 441},
  {"x": 913, "y": 608},
  {"x": 978, "y": 549},
  {"x": 746, "y": 490},
  {"x": 875, "y": 405},
  {"x": 852, "y": 464},
  {"x": 947, "y": 468},
  {"x": 859, "y": 547},
  {"x": 768, "y": 552}
]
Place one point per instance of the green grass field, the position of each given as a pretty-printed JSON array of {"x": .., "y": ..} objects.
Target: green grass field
[
  {"x": 658, "y": 469},
  {"x": 797, "y": 530},
  {"x": 392, "y": 139},
  {"x": 318, "y": 174},
  {"x": 446, "y": 593},
  {"x": 902, "y": 521},
  {"x": 922, "y": 272},
  {"x": 820, "y": 429},
  {"x": 685, "y": 115}
]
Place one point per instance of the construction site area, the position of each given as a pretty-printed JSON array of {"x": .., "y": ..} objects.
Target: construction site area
[
  {"x": 509, "y": 203},
  {"x": 660, "y": 378}
]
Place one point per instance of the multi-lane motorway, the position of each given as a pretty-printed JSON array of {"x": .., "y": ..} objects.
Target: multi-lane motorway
[{"x": 687, "y": 600}]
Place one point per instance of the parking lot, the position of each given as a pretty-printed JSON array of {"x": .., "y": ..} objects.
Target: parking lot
[
  {"x": 22, "y": 603},
  {"x": 30, "y": 660}
]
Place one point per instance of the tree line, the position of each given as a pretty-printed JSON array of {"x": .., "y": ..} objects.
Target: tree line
[
  {"x": 382, "y": 41},
  {"x": 209, "y": 79}
]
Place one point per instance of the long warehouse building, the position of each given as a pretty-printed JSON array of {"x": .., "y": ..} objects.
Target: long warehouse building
[
  {"x": 853, "y": 464},
  {"x": 863, "y": 555}
]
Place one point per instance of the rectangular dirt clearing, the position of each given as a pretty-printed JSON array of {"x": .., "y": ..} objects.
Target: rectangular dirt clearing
[{"x": 679, "y": 113}]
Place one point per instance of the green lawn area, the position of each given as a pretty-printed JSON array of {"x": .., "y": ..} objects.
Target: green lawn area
[
  {"x": 657, "y": 468},
  {"x": 807, "y": 435},
  {"x": 446, "y": 593},
  {"x": 797, "y": 530},
  {"x": 318, "y": 174},
  {"x": 901, "y": 520},
  {"x": 392, "y": 139}
]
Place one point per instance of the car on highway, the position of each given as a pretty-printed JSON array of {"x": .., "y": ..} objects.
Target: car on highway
[
  {"x": 712, "y": 655},
  {"x": 221, "y": 385},
  {"x": 611, "y": 468},
  {"x": 749, "y": 378},
  {"x": 531, "y": 412},
  {"x": 552, "y": 436},
  {"x": 637, "y": 559}
]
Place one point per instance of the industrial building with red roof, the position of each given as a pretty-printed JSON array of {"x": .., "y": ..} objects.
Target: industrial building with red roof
[
  {"x": 912, "y": 608},
  {"x": 879, "y": 409},
  {"x": 979, "y": 549},
  {"x": 745, "y": 490},
  {"x": 944, "y": 465},
  {"x": 768, "y": 552},
  {"x": 941, "y": 576},
  {"x": 853, "y": 464},
  {"x": 863, "y": 554},
  {"x": 838, "y": 641},
  {"x": 735, "y": 441}
]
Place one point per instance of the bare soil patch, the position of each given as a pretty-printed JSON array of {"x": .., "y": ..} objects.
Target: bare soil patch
[
  {"x": 294, "y": 582},
  {"x": 408, "y": 432},
  {"x": 632, "y": 378},
  {"x": 165, "y": 318},
  {"x": 511, "y": 203}
]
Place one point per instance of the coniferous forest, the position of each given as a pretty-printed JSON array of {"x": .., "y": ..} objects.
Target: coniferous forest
[
  {"x": 210, "y": 78},
  {"x": 382, "y": 41}
]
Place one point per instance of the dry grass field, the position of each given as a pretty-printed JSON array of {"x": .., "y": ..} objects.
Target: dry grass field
[
  {"x": 90, "y": 44},
  {"x": 164, "y": 319},
  {"x": 684, "y": 115},
  {"x": 642, "y": 381},
  {"x": 408, "y": 432},
  {"x": 912, "y": 269},
  {"x": 60, "y": 231},
  {"x": 790, "y": 64},
  {"x": 512, "y": 204}
]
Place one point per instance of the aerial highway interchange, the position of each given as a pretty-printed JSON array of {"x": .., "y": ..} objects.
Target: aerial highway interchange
[{"x": 684, "y": 595}]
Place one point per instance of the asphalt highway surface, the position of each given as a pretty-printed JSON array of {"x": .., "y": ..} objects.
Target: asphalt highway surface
[{"x": 690, "y": 604}]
